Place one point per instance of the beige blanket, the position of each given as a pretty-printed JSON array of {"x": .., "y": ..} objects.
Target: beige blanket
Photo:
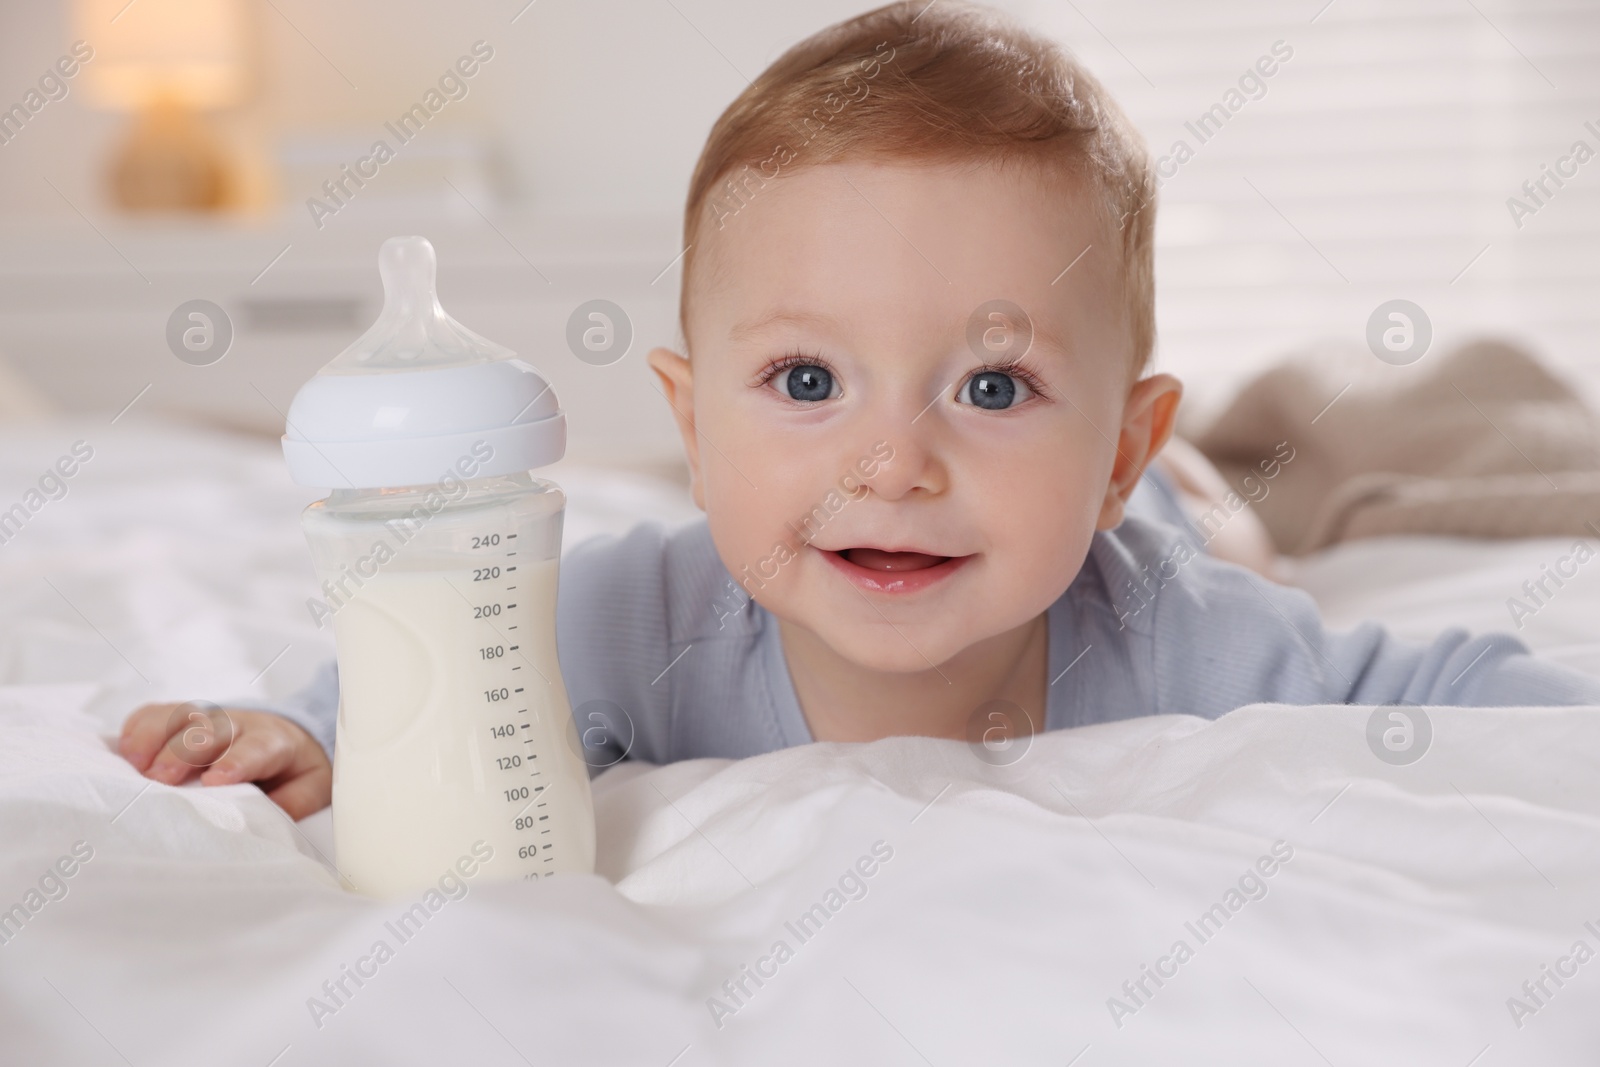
[{"x": 1479, "y": 441}]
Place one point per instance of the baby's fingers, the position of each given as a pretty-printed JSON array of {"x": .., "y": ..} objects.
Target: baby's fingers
[
  {"x": 306, "y": 794},
  {"x": 143, "y": 734},
  {"x": 255, "y": 755},
  {"x": 198, "y": 735}
]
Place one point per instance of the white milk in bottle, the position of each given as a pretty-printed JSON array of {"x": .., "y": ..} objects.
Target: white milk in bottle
[{"x": 438, "y": 554}]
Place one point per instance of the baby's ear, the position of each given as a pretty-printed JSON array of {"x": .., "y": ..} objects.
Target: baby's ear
[
  {"x": 677, "y": 386},
  {"x": 1148, "y": 418}
]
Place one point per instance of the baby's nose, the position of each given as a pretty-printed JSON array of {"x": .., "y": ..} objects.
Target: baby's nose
[{"x": 905, "y": 463}]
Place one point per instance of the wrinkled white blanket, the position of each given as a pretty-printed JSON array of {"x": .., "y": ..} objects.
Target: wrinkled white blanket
[{"x": 930, "y": 909}]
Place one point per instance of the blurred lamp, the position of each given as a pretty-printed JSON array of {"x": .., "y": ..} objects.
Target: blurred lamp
[{"x": 166, "y": 61}]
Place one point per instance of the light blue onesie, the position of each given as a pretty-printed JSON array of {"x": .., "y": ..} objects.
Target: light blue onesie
[{"x": 651, "y": 623}]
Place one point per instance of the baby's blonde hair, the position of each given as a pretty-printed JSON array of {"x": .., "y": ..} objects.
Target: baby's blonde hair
[{"x": 940, "y": 82}]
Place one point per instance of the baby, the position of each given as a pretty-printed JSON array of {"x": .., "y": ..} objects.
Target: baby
[{"x": 918, "y": 313}]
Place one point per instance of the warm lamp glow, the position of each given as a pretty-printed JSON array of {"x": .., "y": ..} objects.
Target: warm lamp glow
[
  {"x": 184, "y": 52},
  {"x": 168, "y": 60}
]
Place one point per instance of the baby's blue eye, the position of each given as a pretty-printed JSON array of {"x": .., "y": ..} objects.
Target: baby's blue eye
[
  {"x": 993, "y": 390},
  {"x": 809, "y": 382}
]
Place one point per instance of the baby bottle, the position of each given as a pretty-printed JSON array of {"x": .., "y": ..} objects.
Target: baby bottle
[{"x": 437, "y": 551}]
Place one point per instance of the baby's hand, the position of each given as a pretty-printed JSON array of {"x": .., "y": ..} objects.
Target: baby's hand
[{"x": 228, "y": 746}]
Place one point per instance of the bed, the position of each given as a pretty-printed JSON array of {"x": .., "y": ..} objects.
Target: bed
[{"x": 1332, "y": 907}]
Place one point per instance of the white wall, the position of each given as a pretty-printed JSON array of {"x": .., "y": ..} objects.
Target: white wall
[{"x": 1377, "y": 165}]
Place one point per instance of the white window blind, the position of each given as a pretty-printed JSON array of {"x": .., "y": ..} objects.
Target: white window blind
[{"x": 1376, "y": 162}]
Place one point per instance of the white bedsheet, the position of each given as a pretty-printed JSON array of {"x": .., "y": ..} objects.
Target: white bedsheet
[
  {"x": 1016, "y": 902},
  {"x": 1418, "y": 586}
]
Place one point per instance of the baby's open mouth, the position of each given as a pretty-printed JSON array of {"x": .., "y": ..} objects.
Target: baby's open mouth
[
  {"x": 892, "y": 571},
  {"x": 876, "y": 559}
]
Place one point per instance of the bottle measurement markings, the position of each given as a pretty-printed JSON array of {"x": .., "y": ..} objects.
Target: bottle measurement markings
[{"x": 531, "y": 756}]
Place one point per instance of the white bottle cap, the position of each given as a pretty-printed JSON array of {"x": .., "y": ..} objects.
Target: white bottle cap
[{"x": 419, "y": 393}]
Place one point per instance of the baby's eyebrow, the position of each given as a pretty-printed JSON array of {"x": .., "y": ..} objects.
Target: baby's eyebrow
[
  {"x": 1046, "y": 341},
  {"x": 1044, "y": 337},
  {"x": 806, "y": 319}
]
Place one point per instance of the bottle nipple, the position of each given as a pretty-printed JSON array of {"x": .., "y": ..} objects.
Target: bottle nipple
[
  {"x": 365, "y": 422},
  {"x": 412, "y": 331}
]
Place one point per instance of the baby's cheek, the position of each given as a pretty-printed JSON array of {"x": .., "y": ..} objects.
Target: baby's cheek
[
  {"x": 752, "y": 541},
  {"x": 1039, "y": 533},
  {"x": 753, "y": 505}
]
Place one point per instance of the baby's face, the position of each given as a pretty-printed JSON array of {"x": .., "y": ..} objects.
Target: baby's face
[{"x": 869, "y": 470}]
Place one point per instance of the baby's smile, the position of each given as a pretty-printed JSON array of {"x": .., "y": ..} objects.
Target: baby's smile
[{"x": 901, "y": 571}]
